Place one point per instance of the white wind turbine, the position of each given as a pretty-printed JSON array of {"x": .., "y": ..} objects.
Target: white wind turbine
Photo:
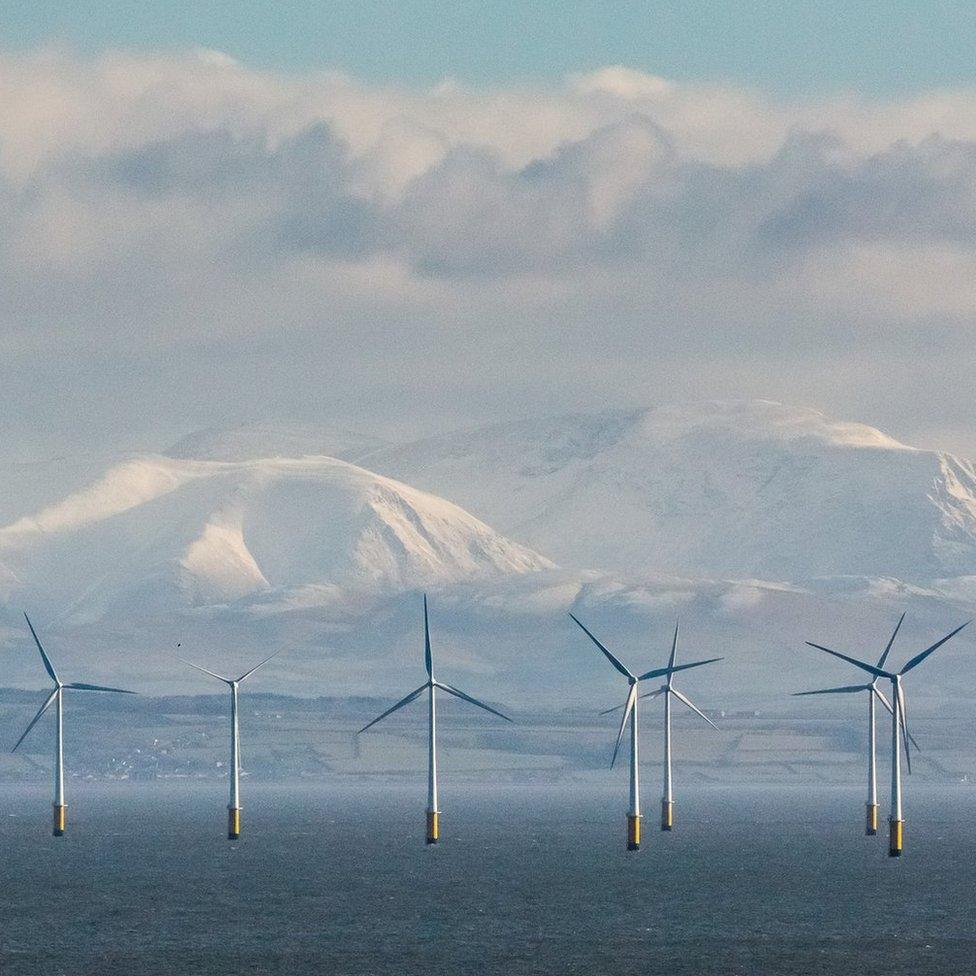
[
  {"x": 899, "y": 726},
  {"x": 874, "y": 695},
  {"x": 431, "y": 685},
  {"x": 668, "y": 690},
  {"x": 234, "y": 805},
  {"x": 630, "y": 712},
  {"x": 57, "y": 698}
]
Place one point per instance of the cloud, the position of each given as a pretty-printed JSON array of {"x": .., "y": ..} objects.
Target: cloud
[
  {"x": 618, "y": 80},
  {"x": 260, "y": 237}
]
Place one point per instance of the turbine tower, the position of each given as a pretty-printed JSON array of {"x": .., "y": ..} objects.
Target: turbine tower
[
  {"x": 431, "y": 685},
  {"x": 669, "y": 691},
  {"x": 234, "y": 804},
  {"x": 57, "y": 698},
  {"x": 630, "y": 712},
  {"x": 899, "y": 727},
  {"x": 874, "y": 695}
]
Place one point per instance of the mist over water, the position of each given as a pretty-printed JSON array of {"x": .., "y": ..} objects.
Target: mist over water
[{"x": 528, "y": 879}]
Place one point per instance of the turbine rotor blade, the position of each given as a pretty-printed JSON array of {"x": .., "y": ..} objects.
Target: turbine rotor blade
[
  {"x": 674, "y": 650},
  {"x": 629, "y": 706},
  {"x": 428, "y": 657},
  {"x": 843, "y": 690},
  {"x": 884, "y": 701},
  {"x": 887, "y": 650},
  {"x": 403, "y": 701},
  {"x": 48, "y": 666},
  {"x": 624, "y": 671},
  {"x": 81, "y": 686},
  {"x": 474, "y": 701},
  {"x": 677, "y": 694},
  {"x": 919, "y": 658},
  {"x": 213, "y": 674},
  {"x": 904, "y": 726},
  {"x": 247, "y": 674},
  {"x": 870, "y": 668},
  {"x": 661, "y": 672},
  {"x": 887, "y": 704},
  {"x": 50, "y": 698},
  {"x": 647, "y": 694}
]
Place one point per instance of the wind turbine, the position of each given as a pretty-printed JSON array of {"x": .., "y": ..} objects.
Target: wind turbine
[
  {"x": 234, "y": 806},
  {"x": 630, "y": 712},
  {"x": 874, "y": 695},
  {"x": 57, "y": 698},
  {"x": 899, "y": 724},
  {"x": 431, "y": 685}
]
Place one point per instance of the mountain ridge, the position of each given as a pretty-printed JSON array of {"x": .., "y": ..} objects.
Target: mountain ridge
[
  {"x": 730, "y": 488},
  {"x": 164, "y": 531}
]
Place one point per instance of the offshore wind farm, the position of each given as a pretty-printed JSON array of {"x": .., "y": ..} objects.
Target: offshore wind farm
[
  {"x": 741, "y": 747},
  {"x": 604, "y": 367}
]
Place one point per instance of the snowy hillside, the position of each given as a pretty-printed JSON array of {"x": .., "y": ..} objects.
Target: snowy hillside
[
  {"x": 157, "y": 532},
  {"x": 758, "y": 525},
  {"x": 741, "y": 490}
]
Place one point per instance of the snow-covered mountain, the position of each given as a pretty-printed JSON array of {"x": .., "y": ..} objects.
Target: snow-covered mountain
[
  {"x": 157, "y": 532},
  {"x": 760, "y": 526},
  {"x": 733, "y": 489}
]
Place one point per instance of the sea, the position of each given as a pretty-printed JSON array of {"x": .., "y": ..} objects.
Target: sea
[{"x": 529, "y": 878}]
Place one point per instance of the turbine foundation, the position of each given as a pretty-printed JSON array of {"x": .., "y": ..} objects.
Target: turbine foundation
[
  {"x": 433, "y": 826},
  {"x": 60, "y": 819},
  {"x": 895, "y": 837},
  {"x": 871, "y": 825},
  {"x": 233, "y": 823},
  {"x": 667, "y": 814},
  {"x": 633, "y": 831}
]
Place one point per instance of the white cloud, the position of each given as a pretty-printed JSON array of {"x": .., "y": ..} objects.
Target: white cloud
[
  {"x": 624, "y": 82},
  {"x": 319, "y": 233}
]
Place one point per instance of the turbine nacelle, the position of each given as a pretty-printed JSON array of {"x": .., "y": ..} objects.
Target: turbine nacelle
[
  {"x": 633, "y": 679},
  {"x": 877, "y": 670},
  {"x": 430, "y": 684},
  {"x": 231, "y": 682},
  {"x": 633, "y": 682},
  {"x": 234, "y": 806},
  {"x": 57, "y": 695},
  {"x": 59, "y": 685},
  {"x": 900, "y": 735},
  {"x": 895, "y": 677}
]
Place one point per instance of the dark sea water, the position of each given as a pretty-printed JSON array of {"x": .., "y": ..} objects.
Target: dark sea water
[{"x": 526, "y": 880}]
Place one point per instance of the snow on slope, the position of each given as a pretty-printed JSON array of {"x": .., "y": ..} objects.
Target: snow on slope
[
  {"x": 157, "y": 532},
  {"x": 28, "y": 486},
  {"x": 739, "y": 489},
  {"x": 238, "y": 557}
]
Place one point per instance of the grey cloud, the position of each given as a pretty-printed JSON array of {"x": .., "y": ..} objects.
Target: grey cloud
[
  {"x": 908, "y": 194},
  {"x": 620, "y": 195},
  {"x": 275, "y": 251}
]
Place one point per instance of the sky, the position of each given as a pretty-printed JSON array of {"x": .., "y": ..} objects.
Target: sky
[
  {"x": 789, "y": 48},
  {"x": 390, "y": 218}
]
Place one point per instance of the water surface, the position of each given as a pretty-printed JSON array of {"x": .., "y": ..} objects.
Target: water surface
[{"x": 527, "y": 880}]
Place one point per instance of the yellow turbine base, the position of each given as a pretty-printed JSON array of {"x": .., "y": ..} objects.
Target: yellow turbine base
[
  {"x": 233, "y": 823},
  {"x": 871, "y": 827},
  {"x": 433, "y": 826},
  {"x": 60, "y": 819},
  {"x": 667, "y": 814},
  {"x": 895, "y": 837},
  {"x": 633, "y": 832}
]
